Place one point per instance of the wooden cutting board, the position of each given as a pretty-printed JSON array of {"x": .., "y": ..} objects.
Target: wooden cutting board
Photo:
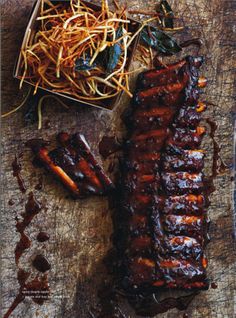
[{"x": 80, "y": 230}]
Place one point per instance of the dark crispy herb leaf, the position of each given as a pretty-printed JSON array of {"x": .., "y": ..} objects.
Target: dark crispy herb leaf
[
  {"x": 159, "y": 41},
  {"x": 166, "y": 10},
  {"x": 31, "y": 113},
  {"x": 84, "y": 64},
  {"x": 102, "y": 58},
  {"x": 113, "y": 57},
  {"x": 114, "y": 52}
]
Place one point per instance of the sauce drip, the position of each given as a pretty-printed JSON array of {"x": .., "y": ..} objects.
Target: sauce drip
[
  {"x": 146, "y": 306},
  {"x": 21, "y": 246},
  {"x": 41, "y": 263},
  {"x": 195, "y": 41},
  {"x": 16, "y": 167},
  {"x": 108, "y": 306},
  {"x": 37, "y": 289},
  {"x": 11, "y": 202},
  {"x": 39, "y": 185},
  {"x": 22, "y": 276},
  {"x": 214, "y": 285},
  {"x": 109, "y": 145},
  {"x": 42, "y": 237},
  {"x": 32, "y": 208},
  {"x": 216, "y": 169}
]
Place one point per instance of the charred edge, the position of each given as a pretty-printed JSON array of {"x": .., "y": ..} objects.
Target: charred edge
[
  {"x": 74, "y": 165},
  {"x": 160, "y": 230}
]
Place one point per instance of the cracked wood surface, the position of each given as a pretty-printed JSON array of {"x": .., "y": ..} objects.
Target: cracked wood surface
[{"x": 80, "y": 230}]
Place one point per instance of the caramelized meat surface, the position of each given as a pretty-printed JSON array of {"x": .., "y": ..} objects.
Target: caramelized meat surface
[
  {"x": 162, "y": 211},
  {"x": 73, "y": 164}
]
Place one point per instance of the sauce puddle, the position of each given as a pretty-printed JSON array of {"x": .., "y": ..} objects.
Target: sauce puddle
[
  {"x": 32, "y": 208},
  {"x": 146, "y": 306},
  {"x": 214, "y": 285},
  {"x": 16, "y": 167},
  {"x": 42, "y": 237},
  {"x": 11, "y": 202},
  {"x": 216, "y": 168},
  {"x": 109, "y": 145},
  {"x": 38, "y": 287},
  {"x": 41, "y": 263}
]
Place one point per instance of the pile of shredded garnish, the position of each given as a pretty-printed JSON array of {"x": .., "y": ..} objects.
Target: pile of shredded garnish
[
  {"x": 70, "y": 51},
  {"x": 82, "y": 52}
]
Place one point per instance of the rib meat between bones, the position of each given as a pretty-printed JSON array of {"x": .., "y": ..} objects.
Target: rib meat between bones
[
  {"x": 161, "y": 227},
  {"x": 73, "y": 164}
]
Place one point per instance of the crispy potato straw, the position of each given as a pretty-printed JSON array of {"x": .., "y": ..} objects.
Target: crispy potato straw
[{"x": 72, "y": 31}]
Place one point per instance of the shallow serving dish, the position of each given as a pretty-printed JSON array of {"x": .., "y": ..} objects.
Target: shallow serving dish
[{"x": 33, "y": 24}]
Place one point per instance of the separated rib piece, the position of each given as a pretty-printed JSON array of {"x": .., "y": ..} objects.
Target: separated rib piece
[{"x": 74, "y": 165}]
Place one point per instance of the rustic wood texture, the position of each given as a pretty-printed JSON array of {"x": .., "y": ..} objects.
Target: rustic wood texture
[{"x": 80, "y": 230}]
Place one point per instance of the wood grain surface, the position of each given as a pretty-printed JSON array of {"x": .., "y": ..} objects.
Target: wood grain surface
[{"x": 80, "y": 230}]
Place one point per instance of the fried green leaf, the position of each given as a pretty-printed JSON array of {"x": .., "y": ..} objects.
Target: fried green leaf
[
  {"x": 31, "y": 115},
  {"x": 113, "y": 57},
  {"x": 159, "y": 41},
  {"x": 83, "y": 64},
  {"x": 168, "y": 14},
  {"x": 114, "y": 52}
]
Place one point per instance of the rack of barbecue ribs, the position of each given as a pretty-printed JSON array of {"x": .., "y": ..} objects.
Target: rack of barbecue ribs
[
  {"x": 73, "y": 164},
  {"x": 161, "y": 226}
]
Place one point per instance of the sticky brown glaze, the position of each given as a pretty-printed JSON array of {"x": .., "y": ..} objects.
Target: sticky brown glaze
[
  {"x": 159, "y": 77},
  {"x": 177, "y": 183},
  {"x": 184, "y": 247},
  {"x": 161, "y": 224},
  {"x": 188, "y": 204},
  {"x": 190, "y": 160},
  {"x": 168, "y": 75},
  {"x": 74, "y": 165},
  {"x": 148, "y": 141},
  {"x": 154, "y": 94},
  {"x": 182, "y": 274},
  {"x": 142, "y": 183},
  {"x": 189, "y": 116},
  {"x": 182, "y": 84},
  {"x": 153, "y": 118},
  {"x": 185, "y": 138},
  {"x": 184, "y": 225}
]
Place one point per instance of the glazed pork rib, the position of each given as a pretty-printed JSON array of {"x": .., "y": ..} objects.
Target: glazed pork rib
[
  {"x": 162, "y": 217},
  {"x": 73, "y": 164}
]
